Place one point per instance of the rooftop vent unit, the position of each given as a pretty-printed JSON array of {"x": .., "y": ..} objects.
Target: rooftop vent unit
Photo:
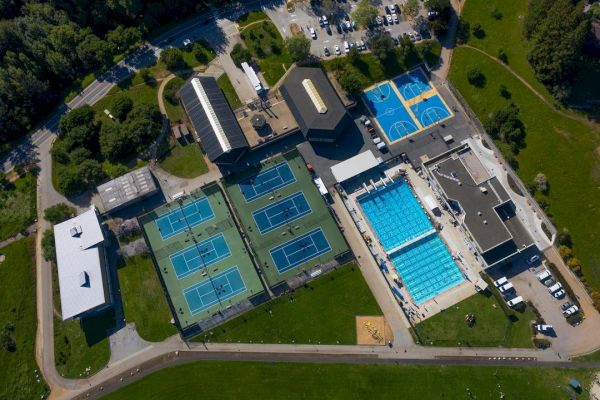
[
  {"x": 314, "y": 95},
  {"x": 75, "y": 231},
  {"x": 84, "y": 279},
  {"x": 483, "y": 189}
]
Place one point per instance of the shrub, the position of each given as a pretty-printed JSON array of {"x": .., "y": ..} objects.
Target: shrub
[
  {"x": 541, "y": 182},
  {"x": 199, "y": 52},
  {"x": 69, "y": 182},
  {"x": 48, "y": 247},
  {"x": 478, "y": 31},
  {"x": 496, "y": 14},
  {"x": 504, "y": 92},
  {"x": 172, "y": 59},
  {"x": 596, "y": 299},
  {"x": 240, "y": 54},
  {"x": 476, "y": 77},
  {"x": 574, "y": 264},
  {"x": 58, "y": 213},
  {"x": 502, "y": 56},
  {"x": 79, "y": 155},
  {"x": 121, "y": 106},
  {"x": 565, "y": 252},
  {"x": 564, "y": 238},
  {"x": 298, "y": 46}
]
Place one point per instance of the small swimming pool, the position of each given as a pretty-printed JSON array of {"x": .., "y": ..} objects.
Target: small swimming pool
[{"x": 414, "y": 247}]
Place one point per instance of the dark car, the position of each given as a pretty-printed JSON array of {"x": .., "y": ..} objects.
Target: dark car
[
  {"x": 387, "y": 10},
  {"x": 339, "y": 28},
  {"x": 397, "y": 9}
]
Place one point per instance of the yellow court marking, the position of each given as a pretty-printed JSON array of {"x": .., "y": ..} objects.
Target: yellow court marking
[{"x": 421, "y": 97}]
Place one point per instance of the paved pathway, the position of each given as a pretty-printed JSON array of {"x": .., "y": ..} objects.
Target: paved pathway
[{"x": 29, "y": 230}]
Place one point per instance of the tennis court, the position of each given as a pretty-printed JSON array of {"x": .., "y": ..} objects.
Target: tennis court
[
  {"x": 267, "y": 181},
  {"x": 430, "y": 111},
  {"x": 178, "y": 220},
  {"x": 391, "y": 114},
  {"x": 412, "y": 84},
  {"x": 217, "y": 289},
  {"x": 199, "y": 255},
  {"x": 300, "y": 250},
  {"x": 280, "y": 213}
]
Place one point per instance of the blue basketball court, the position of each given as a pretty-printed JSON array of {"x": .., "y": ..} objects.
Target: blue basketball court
[
  {"x": 430, "y": 111},
  {"x": 217, "y": 289},
  {"x": 394, "y": 119},
  {"x": 412, "y": 84},
  {"x": 178, "y": 220},
  {"x": 280, "y": 213},
  {"x": 199, "y": 255},
  {"x": 299, "y": 250},
  {"x": 267, "y": 181}
]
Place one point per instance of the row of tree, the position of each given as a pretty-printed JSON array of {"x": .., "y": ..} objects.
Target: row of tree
[{"x": 46, "y": 46}]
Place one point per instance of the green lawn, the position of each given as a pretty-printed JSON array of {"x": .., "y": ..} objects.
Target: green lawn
[
  {"x": 505, "y": 33},
  {"x": 250, "y": 380},
  {"x": 144, "y": 301},
  {"x": 79, "y": 344},
  {"x": 21, "y": 378},
  {"x": 595, "y": 356},
  {"x": 17, "y": 205},
  {"x": 267, "y": 47},
  {"x": 175, "y": 111},
  {"x": 492, "y": 327},
  {"x": 183, "y": 161},
  {"x": 251, "y": 17},
  {"x": 227, "y": 87},
  {"x": 567, "y": 151},
  {"x": 323, "y": 311}
]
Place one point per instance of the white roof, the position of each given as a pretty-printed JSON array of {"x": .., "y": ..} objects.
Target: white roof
[
  {"x": 79, "y": 265},
  {"x": 211, "y": 115},
  {"x": 314, "y": 95},
  {"x": 252, "y": 77},
  {"x": 321, "y": 186},
  {"x": 430, "y": 202},
  {"x": 354, "y": 166}
]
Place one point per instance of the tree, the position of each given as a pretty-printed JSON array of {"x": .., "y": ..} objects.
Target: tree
[
  {"x": 58, "y": 213},
  {"x": 69, "y": 182},
  {"x": 411, "y": 8},
  {"x": 444, "y": 9},
  {"x": 381, "y": 45},
  {"x": 541, "y": 182},
  {"x": 349, "y": 80},
  {"x": 353, "y": 56},
  {"x": 121, "y": 106},
  {"x": 85, "y": 136},
  {"x": 200, "y": 52},
  {"x": 239, "y": 54},
  {"x": 564, "y": 238},
  {"x": 478, "y": 31},
  {"x": 504, "y": 92},
  {"x": 83, "y": 115},
  {"x": 90, "y": 172},
  {"x": 298, "y": 46},
  {"x": 124, "y": 38},
  {"x": 172, "y": 59},
  {"x": 565, "y": 252},
  {"x": 141, "y": 132},
  {"x": 114, "y": 144},
  {"x": 575, "y": 265},
  {"x": 502, "y": 56},
  {"x": 364, "y": 13},
  {"x": 476, "y": 77},
  {"x": 94, "y": 53},
  {"x": 48, "y": 246}
]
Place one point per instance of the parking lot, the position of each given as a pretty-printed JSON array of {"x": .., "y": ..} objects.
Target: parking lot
[{"x": 306, "y": 17}]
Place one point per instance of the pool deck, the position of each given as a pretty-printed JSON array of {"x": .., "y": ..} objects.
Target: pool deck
[{"x": 452, "y": 237}]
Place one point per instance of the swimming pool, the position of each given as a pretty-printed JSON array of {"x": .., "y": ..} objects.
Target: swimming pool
[{"x": 414, "y": 247}]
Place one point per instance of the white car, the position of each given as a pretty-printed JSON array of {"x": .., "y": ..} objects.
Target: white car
[
  {"x": 337, "y": 50},
  {"x": 313, "y": 34},
  {"x": 501, "y": 282},
  {"x": 389, "y": 19},
  {"x": 555, "y": 288},
  {"x": 513, "y": 302},
  {"x": 324, "y": 18},
  {"x": 506, "y": 288},
  {"x": 570, "y": 311},
  {"x": 560, "y": 294},
  {"x": 346, "y": 47},
  {"x": 326, "y": 51},
  {"x": 186, "y": 42},
  {"x": 544, "y": 328},
  {"x": 395, "y": 18}
]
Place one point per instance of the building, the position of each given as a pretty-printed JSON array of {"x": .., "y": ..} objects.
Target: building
[
  {"x": 81, "y": 264},
  {"x": 315, "y": 105},
  {"x": 216, "y": 125},
  {"x": 126, "y": 189},
  {"x": 481, "y": 204}
]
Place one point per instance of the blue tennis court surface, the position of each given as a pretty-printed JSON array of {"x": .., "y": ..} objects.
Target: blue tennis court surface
[
  {"x": 280, "y": 213},
  {"x": 391, "y": 114},
  {"x": 219, "y": 288},
  {"x": 178, "y": 220},
  {"x": 412, "y": 84},
  {"x": 267, "y": 181},
  {"x": 199, "y": 255},
  {"x": 430, "y": 111},
  {"x": 299, "y": 250}
]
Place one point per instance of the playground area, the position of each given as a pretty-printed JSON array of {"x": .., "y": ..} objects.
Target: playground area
[
  {"x": 202, "y": 261},
  {"x": 373, "y": 330},
  {"x": 406, "y": 105},
  {"x": 284, "y": 216}
]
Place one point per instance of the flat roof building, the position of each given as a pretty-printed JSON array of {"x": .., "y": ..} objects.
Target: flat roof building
[
  {"x": 81, "y": 265},
  {"x": 126, "y": 189},
  {"x": 487, "y": 210},
  {"x": 315, "y": 105},
  {"x": 215, "y": 123},
  {"x": 355, "y": 166}
]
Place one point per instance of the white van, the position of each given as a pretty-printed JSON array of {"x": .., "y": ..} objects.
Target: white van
[
  {"x": 501, "y": 282},
  {"x": 555, "y": 287},
  {"x": 506, "y": 288},
  {"x": 346, "y": 47},
  {"x": 515, "y": 301},
  {"x": 543, "y": 275}
]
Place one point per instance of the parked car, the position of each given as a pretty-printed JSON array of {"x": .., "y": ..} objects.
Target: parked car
[
  {"x": 411, "y": 36},
  {"x": 533, "y": 260},
  {"x": 346, "y": 47},
  {"x": 379, "y": 20},
  {"x": 397, "y": 7},
  {"x": 543, "y": 275},
  {"x": 431, "y": 15},
  {"x": 554, "y": 288},
  {"x": 321, "y": 23},
  {"x": 395, "y": 18},
  {"x": 326, "y": 51},
  {"x": 186, "y": 42},
  {"x": 418, "y": 36},
  {"x": 559, "y": 294},
  {"x": 337, "y": 50},
  {"x": 570, "y": 311},
  {"x": 501, "y": 282},
  {"x": 514, "y": 302},
  {"x": 328, "y": 29},
  {"x": 566, "y": 305},
  {"x": 389, "y": 19},
  {"x": 387, "y": 10},
  {"x": 313, "y": 33},
  {"x": 549, "y": 282},
  {"x": 506, "y": 288},
  {"x": 542, "y": 328},
  {"x": 324, "y": 19}
]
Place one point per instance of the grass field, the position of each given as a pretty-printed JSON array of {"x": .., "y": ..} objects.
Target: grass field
[
  {"x": 321, "y": 312},
  {"x": 267, "y": 47},
  {"x": 251, "y": 17},
  {"x": 492, "y": 328},
  {"x": 17, "y": 205},
  {"x": 227, "y": 87},
  {"x": 175, "y": 111},
  {"x": 143, "y": 299},
  {"x": 19, "y": 378},
  {"x": 567, "y": 151},
  {"x": 183, "y": 161},
  {"x": 245, "y": 380}
]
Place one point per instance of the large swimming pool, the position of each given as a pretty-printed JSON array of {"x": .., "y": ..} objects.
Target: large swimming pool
[{"x": 405, "y": 232}]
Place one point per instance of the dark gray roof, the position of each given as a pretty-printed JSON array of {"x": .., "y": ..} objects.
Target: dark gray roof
[
  {"x": 199, "y": 118},
  {"x": 302, "y": 107},
  {"x": 127, "y": 189}
]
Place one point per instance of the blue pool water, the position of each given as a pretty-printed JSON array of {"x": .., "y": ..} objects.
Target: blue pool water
[
  {"x": 419, "y": 255},
  {"x": 430, "y": 111}
]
